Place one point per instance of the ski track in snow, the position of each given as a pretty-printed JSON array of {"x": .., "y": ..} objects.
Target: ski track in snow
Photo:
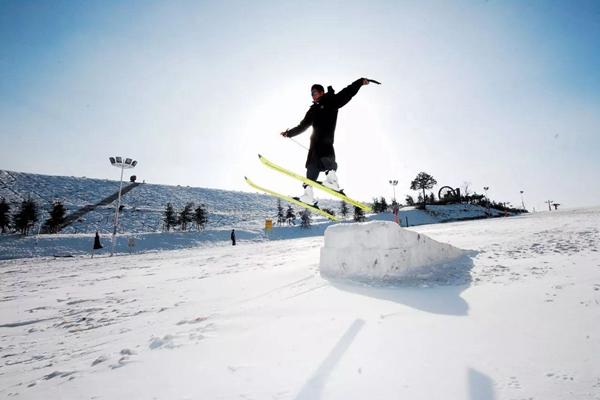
[
  {"x": 81, "y": 328},
  {"x": 513, "y": 246},
  {"x": 101, "y": 315}
]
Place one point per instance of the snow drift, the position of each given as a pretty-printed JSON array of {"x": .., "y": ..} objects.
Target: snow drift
[{"x": 382, "y": 251}]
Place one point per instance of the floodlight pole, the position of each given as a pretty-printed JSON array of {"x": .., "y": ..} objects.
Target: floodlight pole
[
  {"x": 123, "y": 163},
  {"x": 394, "y": 183},
  {"x": 114, "y": 235}
]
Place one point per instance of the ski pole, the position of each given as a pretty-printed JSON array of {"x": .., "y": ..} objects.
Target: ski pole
[
  {"x": 374, "y": 81},
  {"x": 298, "y": 143}
]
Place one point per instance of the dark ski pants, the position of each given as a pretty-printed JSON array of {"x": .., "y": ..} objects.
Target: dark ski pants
[{"x": 322, "y": 164}]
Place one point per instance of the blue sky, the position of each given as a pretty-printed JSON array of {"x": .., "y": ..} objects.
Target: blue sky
[{"x": 504, "y": 94}]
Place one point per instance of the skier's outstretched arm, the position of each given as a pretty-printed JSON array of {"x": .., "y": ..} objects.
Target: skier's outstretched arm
[
  {"x": 344, "y": 96},
  {"x": 304, "y": 124}
]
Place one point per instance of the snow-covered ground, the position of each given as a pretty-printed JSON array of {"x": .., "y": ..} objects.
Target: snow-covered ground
[
  {"x": 142, "y": 215},
  {"x": 517, "y": 319},
  {"x": 79, "y": 244}
]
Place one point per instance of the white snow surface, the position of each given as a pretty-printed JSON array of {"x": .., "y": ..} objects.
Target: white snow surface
[
  {"x": 518, "y": 319},
  {"x": 78, "y": 244},
  {"x": 382, "y": 251}
]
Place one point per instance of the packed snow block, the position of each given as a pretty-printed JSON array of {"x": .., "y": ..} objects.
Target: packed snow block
[{"x": 381, "y": 250}]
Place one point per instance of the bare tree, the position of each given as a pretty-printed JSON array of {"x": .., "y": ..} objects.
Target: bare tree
[{"x": 466, "y": 188}]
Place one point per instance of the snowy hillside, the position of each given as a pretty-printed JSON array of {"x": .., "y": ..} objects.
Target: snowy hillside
[
  {"x": 518, "y": 318},
  {"x": 143, "y": 206}
]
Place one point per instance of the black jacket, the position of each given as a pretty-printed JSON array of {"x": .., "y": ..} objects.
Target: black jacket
[{"x": 322, "y": 115}]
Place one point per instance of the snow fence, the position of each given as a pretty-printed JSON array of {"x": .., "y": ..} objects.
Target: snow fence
[{"x": 381, "y": 251}]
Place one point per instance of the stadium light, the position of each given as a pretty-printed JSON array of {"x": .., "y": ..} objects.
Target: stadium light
[
  {"x": 394, "y": 183},
  {"x": 118, "y": 162}
]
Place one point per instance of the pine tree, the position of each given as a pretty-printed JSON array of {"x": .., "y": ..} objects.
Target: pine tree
[
  {"x": 290, "y": 216},
  {"x": 409, "y": 200},
  {"x": 423, "y": 181},
  {"x": 170, "y": 219},
  {"x": 376, "y": 205},
  {"x": 200, "y": 217},
  {"x": 185, "y": 216},
  {"x": 344, "y": 209},
  {"x": 305, "y": 219},
  {"x": 359, "y": 214},
  {"x": 280, "y": 216},
  {"x": 4, "y": 215},
  {"x": 26, "y": 217},
  {"x": 383, "y": 204},
  {"x": 57, "y": 217}
]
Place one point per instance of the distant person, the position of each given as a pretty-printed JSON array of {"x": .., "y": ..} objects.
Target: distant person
[
  {"x": 130, "y": 244},
  {"x": 233, "y": 237},
  {"x": 97, "y": 244}
]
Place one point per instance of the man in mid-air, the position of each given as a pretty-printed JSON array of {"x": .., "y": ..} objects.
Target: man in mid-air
[{"x": 322, "y": 116}]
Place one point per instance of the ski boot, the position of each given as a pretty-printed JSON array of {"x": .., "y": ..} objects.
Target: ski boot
[
  {"x": 331, "y": 181},
  {"x": 308, "y": 197}
]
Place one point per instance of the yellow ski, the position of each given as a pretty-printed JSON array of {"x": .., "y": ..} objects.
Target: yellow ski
[
  {"x": 317, "y": 185},
  {"x": 292, "y": 200}
]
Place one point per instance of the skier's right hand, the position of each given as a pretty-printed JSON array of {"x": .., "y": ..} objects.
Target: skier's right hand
[{"x": 285, "y": 133}]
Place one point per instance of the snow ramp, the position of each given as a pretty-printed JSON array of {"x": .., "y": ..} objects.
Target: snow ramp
[{"x": 381, "y": 251}]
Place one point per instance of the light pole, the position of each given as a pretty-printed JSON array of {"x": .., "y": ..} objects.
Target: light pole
[
  {"x": 394, "y": 183},
  {"x": 118, "y": 162},
  {"x": 522, "y": 201}
]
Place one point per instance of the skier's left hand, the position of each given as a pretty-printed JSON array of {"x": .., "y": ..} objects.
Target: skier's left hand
[
  {"x": 365, "y": 81},
  {"x": 285, "y": 133}
]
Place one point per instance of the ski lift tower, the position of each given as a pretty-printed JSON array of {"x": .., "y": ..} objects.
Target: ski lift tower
[{"x": 118, "y": 162}]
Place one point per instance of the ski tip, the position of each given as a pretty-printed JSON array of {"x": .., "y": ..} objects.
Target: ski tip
[{"x": 259, "y": 155}]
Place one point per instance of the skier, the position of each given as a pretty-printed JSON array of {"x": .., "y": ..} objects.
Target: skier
[
  {"x": 322, "y": 116},
  {"x": 97, "y": 244},
  {"x": 233, "y": 237},
  {"x": 130, "y": 243}
]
